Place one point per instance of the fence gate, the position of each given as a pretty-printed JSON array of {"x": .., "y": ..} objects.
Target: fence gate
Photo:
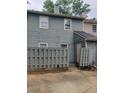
[
  {"x": 47, "y": 58},
  {"x": 84, "y": 57}
]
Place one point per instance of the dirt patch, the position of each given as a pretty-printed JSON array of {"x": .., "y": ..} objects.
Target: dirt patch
[{"x": 75, "y": 81}]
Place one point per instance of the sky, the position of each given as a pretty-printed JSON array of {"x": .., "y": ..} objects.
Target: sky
[{"x": 38, "y": 5}]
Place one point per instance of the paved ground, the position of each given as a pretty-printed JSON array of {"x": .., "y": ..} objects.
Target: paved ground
[{"x": 75, "y": 81}]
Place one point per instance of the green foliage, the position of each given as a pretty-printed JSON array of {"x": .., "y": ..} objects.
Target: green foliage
[
  {"x": 67, "y": 7},
  {"x": 80, "y": 7},
  {"x": 48, "y": 6}
]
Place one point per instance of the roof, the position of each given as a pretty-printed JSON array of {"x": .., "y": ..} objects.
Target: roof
[
  {"x": 87, "y": 36},
  {"x": 53, "y": 14},
  {"x": 93, "y": 21}
]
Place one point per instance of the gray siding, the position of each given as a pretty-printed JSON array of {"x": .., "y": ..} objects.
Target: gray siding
[
  {"x": 54, "y": 36},
  {"x": 93, "y": 52}
]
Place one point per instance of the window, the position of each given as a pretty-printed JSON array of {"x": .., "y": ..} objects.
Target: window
[
  {"x": 43, "y": 22},
  {"x": 43, "y": 44},
  {"x": 67, "y": 24},
  {"x": 94, "y": 28},
  {"x": 64, "y": 45}
]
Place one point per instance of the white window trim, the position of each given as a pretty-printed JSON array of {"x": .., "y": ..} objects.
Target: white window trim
[
  {"x": 70, "y": 24},
  {"x": 43, "y": 43},
  {"x": 64, "y": 43},
  {"x": 40, "y": 21}
]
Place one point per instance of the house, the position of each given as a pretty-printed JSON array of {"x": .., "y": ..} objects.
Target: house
[
  {"x": 90, "y": 26},
  {"x": 52, "y": 30}
]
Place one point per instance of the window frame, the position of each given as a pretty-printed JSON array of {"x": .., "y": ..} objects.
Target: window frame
[
  {"x": 63, "y": 44},
  {"x": 65, "y": 23},
  {"x": 42, "y": 43},
  {"x": 93, "y": 29},
  {"x": 45, "y": 18}
]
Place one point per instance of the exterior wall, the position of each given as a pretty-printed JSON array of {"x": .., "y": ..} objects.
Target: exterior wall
[
  {"x": 54, "y": 36},
  {"x": 87, "y": 27},
  {"x": 92, "y": 51}
]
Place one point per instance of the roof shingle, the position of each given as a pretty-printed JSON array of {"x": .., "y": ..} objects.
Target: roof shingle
[{"x": 85, "y": 35}]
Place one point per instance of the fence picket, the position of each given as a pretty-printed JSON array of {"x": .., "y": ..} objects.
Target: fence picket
[
  {"x": 47, "y": 57},
  {"x": 84, "y": 57}
]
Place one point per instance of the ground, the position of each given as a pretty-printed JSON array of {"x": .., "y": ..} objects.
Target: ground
[{"x": 73, "y": 81}]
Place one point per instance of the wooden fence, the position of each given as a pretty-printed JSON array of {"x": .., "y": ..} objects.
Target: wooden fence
[
  {"x": 38, "y": 58},
  {"x": 84, "y": 57}
]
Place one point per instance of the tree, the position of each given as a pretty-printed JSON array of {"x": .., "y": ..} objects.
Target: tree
[
  {"x": 48, "y": 6},
  {"x": 80, "y": 7},
  {"x": 67, "y": 7}
]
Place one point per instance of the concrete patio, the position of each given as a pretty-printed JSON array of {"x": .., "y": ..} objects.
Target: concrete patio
[{"x": 74, "y": 81}]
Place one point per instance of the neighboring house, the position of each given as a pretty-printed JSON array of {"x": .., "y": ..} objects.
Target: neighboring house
[
  {"x": 52, "y": 30},
  {"x": 90, "y": 26}
]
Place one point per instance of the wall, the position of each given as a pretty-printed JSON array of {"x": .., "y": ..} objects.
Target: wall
[
  {"x": 54, "y": 36},
  {"x": 92, "y": 51},
  {"x": 87, "y": 27}
]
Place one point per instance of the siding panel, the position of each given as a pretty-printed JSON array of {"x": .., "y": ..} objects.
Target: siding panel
[{"x": 54, "y": 36}]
